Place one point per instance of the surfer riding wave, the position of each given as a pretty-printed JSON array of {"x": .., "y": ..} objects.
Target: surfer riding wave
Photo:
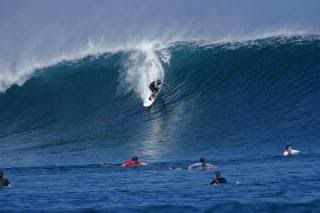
[{"x": 154, "y": 86}]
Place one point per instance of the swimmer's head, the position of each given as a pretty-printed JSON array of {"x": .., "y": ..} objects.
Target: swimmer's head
[
  {"x": 218, "y": 174},
  {"x": 288, "y": 147},
  {"x": 134, "y": 158},
  {"x": 202, "y": 160}
]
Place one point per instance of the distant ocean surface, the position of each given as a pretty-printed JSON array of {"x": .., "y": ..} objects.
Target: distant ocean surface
[{"x": 236, "y": 103}]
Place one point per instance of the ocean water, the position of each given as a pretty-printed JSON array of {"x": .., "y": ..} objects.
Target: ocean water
[{"x": 236, "y": 103}]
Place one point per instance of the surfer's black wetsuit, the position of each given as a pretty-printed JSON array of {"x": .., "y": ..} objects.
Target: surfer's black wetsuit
[
  {"x": 218, "y": 180},
  {"x": 153, "y": 86},
  {"x": 4, "y": 182}
]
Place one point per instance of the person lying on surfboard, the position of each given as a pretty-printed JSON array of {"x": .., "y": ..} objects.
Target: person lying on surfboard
[
  {"x": 133, "y": 162},
  {"x": 154, "y": 87},
  {"x": 202, "y": 165},
  {"x": 289, "y": 151}
]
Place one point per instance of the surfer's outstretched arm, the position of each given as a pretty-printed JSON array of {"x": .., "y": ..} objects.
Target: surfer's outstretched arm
[{"x": 210, "y": 166}]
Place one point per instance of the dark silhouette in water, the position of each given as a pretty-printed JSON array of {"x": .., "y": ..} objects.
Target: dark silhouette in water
[
  {"x": 3, "y": 181},
  {"x": 218, "y": 179}
]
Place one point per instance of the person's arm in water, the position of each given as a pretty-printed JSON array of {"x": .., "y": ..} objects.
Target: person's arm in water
[
  {"x": 209, "y": 166},
  {"x": 214, "y": 181},
  {"x": 193, "y": 166},
  {"x": 294, "y": 151},
  {"x": 190, "y": 167}
]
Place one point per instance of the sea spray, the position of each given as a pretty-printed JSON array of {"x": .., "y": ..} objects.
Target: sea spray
[{"x": 140, "y": 68}]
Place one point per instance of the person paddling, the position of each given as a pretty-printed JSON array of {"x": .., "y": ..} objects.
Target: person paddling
[
  {"x": 133, "y": 162},
  {"x": 289, "y": 151},
  {"x": 201, "y": 165},
  {"x": 3, "y": 181},
  {"x": 218, "y": 179}
]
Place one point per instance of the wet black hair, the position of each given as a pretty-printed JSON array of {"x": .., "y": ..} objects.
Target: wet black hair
[
  {"x": 218, "y": 174},
  {"x": 202, "y": 159},
  {"x": 287, "y": 146},
  {"x": 134, "y": 158}
]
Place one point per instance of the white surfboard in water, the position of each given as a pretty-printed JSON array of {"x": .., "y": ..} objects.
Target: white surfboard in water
[
  {"x": 293, "y": 152},
  {"x": 149, "y": 100}
]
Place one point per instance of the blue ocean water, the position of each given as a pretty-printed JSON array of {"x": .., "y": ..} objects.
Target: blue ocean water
[{"x": 236, "y": 103}]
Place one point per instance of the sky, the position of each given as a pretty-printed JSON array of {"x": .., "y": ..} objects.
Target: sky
[{"x": 35, "y": 33}]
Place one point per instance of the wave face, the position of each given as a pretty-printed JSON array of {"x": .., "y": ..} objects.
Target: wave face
[{"x": 221, "y": 94}]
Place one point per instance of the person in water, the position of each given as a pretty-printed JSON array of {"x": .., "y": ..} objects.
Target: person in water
[
  {"x": 154, "y": 87},
  {"x": 289, "y": 151},
  {"x": 201, "y": 165},
  {"x": 3, "y": 181},
  {"x": 217, "y": 179},
  {"x": 133, "y": 162}
]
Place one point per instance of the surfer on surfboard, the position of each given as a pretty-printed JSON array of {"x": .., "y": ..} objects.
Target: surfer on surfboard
[
  {"x": 289, "y": 151},
  {"x": 154, "y": 87},
  {"x": 202, "y": 165}
]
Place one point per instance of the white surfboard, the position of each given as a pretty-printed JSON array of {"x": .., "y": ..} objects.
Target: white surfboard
[
  {"x": 149, "y": 100},
  {"x": 293, "y": 152}
]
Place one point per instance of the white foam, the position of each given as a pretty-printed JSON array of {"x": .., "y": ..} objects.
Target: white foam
[
  {"x": 19, "y": 72},
  {"x": 143, "y": 62},
  {"x": 165, "y": 56},
  {"x": 142, "y": 67},
  {"x": 239, "y": 41}
]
